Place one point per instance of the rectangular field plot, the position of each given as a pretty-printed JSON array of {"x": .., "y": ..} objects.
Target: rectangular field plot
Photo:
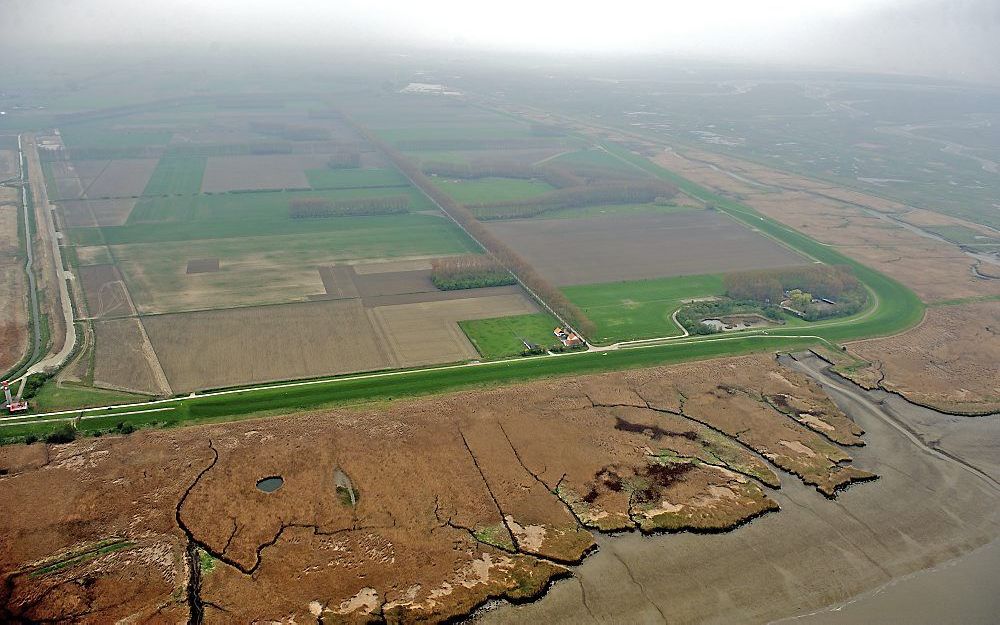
[
  {"x": 265, "y": 270},
  {"x": 176, "y": 176},
  {"x": 640, "y": 309},
  {"x": 122, "y": 178},
  {"x": 94, "y": 213},
  {"x": 492, "y": 189},
  {"x": 596, "y": 249},
  {"x": 355, "y": 178},
  {"x": 266, "y": 343},
  {"x": 505, "y": 337},
  {"x": 277, "y": 171},
  {"x": 104, "y": 291},
  {"x": 428, "y": 332},
  {"x": 121, "y": 360}
]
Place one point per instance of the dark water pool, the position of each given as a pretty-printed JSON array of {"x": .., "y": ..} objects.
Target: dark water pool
[{"x": 270, "y": 484}]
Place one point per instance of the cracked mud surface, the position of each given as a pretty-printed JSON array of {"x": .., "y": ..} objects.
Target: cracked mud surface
[{"x": 452, "y": 500}]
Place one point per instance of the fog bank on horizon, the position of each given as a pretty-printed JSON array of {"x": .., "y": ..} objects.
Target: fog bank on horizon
[{"x": 957, "y": 39}]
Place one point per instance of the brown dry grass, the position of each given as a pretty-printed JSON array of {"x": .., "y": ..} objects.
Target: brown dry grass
[
  {"x": 456, "y": 495},
  {"x": 596, "y": 250},
  {"x": 948, "y": 362}
]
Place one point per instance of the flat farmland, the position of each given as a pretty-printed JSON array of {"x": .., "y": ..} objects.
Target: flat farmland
[
  {"x": 354, "y": 178},
  {"x": 428, "y": 332},
  {"x": 284, "y": 268},
  {"x": 505, "y": 337},
  {"x": 176, "y": 176},
  {"x": 121, "y": 361},
  {"x": 278, "y": 171},
  {"x": 13, "y": 313},
  {"x": 492, "y": 189},
  {"x": 221, "y": 348},
  {"x": 122, "y": 178},
  {"x": 639, "y": 309},
  {"x": 104, "y": 291},
  {"x": 595, "y": 250},
  {"x": 95, "y": 213}
]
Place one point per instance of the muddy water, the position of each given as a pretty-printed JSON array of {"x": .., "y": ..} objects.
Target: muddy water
[
  {"x": 963, "y": 590},
  {"x": 927, "y": 508}
]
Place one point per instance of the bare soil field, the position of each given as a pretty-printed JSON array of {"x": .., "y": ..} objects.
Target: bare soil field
[
  {"x": 90, "y": 213},
  {"x": 338, "y": 281},
  {"x": 282, "y": 171},
  {"x": 388, "y": 266},
  {"x": 394, "y": 283},
  {"x": 104, "y": 291},
  {"x": 9, "y": 167},
  {"x": 501, "y": 488},
  {"x": 158, "y": 279},
  {"x": 120, "y": 360},
  {"x": 202, "y": 265},
  {"x": 427, "y": 332},
  {"x": 599, "y": 249},
  {"x": 935, "y": 270},
  {"x": 13, "y": 313},
  {"x": 948, "y": 362},
  {"x": 238, "y": 346},
  {"x": 122, "y": 178},
  {"x": 9, "y": 243}
]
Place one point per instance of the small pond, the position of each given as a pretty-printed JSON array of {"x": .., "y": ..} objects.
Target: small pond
[{"x": 270, "y": 484}]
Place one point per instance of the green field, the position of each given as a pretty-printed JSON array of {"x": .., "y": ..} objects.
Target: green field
[
  {"x": 354, "y": 178},
  {"x": 77, "y": 136},
  {"x": 176, "y": 176},
  {"x": 640, "y": 309},
  {"x": 492, "y": 189},
  {"x": 591, "y": 157},
  {"x": 503, "y": 337},
  {"x": 53, "y": 396},
  {"x": 227, "y": 215}
]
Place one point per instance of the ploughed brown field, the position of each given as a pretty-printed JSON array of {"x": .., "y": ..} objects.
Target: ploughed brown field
[
  {"x": 104, "y": 291},
  {"x": 14, "y": 285},
  {"x": 419, "y": 510},
  {"x": 279, "y": 171},
  {"x": 91, "y": 213},
  {"x": 611, "y": 249}
]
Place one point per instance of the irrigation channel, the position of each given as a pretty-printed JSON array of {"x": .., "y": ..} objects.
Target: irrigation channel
[{"x": 892, "y": 308}]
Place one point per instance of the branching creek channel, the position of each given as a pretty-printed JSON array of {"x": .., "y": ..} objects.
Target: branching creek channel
[{"x": 918, "y": 543}]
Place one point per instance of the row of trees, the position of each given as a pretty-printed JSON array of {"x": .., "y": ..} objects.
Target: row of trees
[
  {"x": 557, "y": 177},
  {"x": 312, "y": 207},
  {"x": 471, "y": 271},
  {"x": 546, "y": 292}
]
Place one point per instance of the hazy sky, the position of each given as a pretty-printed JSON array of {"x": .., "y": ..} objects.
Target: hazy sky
[{"x": 944, "y": 37}]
